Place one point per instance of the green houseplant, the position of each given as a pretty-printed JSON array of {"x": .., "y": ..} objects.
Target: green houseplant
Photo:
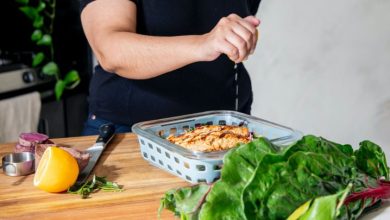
[{"x": 42, "y": 14}]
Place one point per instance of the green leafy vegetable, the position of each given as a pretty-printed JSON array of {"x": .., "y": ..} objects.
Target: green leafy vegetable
[
  {"x": 258, "y": 181},
  {"x": 372, "y": 160},
  {"x": 324, "y": 207},
  {"x": 239, "y": 166},
  {"x": 94, "y": 185},
  {"x": 186, "y": 201}
]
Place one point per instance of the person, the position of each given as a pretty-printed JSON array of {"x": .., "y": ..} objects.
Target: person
[{"x": 163, "y": 58}]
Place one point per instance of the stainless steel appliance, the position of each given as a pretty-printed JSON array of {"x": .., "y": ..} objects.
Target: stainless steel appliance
[{"x": 16, "y": 78}]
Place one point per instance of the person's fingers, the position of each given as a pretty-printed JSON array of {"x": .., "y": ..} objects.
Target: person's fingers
[
  {"x": 238, "y": 43},
  {"x": 256, "y": 39},
  {"x": 244, "y": 33},
  {"x": 235, "y": 36},
  {"x": 250, "y": 23},
  {"x": 229, "y": 49},
  {"x": 253, "y": 20}
]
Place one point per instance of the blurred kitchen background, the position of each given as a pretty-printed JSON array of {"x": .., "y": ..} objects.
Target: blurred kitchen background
[
  {"x": 322, "y": 67},
  {"x": 23, "y": 90}
]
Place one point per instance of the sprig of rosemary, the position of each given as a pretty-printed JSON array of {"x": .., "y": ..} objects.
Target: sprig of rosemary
[{"x": 94, "y": 185}]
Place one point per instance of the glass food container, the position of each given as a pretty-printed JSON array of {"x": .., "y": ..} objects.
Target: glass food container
[{"x": 195, "y": 166}]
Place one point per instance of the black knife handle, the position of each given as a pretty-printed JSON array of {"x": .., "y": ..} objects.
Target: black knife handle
[{"x": 106, "y": 132}]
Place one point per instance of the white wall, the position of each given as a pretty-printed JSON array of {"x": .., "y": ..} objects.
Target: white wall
[{"x": 323, "y": 67}]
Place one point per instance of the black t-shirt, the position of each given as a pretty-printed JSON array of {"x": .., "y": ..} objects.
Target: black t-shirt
[{"x": 194, "y": 88}]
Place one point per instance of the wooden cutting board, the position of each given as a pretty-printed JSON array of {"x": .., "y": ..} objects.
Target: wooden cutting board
[{"x": 121, "y": 162}]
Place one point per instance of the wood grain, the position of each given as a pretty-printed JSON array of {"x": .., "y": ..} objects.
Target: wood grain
[{"x": 121, "y": 162}]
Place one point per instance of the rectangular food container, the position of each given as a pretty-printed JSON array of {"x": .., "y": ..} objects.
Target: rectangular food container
[{"x": 195, "y": 166}]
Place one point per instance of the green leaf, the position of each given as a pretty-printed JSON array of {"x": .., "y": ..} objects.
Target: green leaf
[
  {"x": 185, "y": 201},
  {"x": 372, "y": 160},
  {"x": 45, "y": 40},
  {"x": 312, "y": 167},
  {"x": 30, "y": 12},
  {"x": 24, "y": 2},
  {"x": 94, "y": 185},
  {"x": 51, "y": 69},
  {"x": 59, "y": 89},
  {"x": 41, "y": 6},
  {"x": 38, "y": 58},
  {"x": 72, "y": 79},
  {"x": 239, "y": 166},
  {"x": 38, "y": 21},
  {"x": 36, "y": 35},
  {"x": 258, "y": 181},
  {"x": 326, "y": 207}
]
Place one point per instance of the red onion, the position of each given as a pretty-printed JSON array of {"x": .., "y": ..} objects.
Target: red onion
[{"x": 29, "y": 139}]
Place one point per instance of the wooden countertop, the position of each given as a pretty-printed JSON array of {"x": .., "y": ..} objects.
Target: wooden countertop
[{"x": 121, "y": 162}]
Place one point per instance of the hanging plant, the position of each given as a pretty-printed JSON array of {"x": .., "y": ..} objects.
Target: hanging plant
[{"x": 42, "y": 14}]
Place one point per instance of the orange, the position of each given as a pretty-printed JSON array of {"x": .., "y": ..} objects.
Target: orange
[{"x": 56, "y": 171}]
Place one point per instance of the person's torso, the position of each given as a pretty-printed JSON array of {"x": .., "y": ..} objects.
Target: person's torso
[{"x": 196, "y": 87}]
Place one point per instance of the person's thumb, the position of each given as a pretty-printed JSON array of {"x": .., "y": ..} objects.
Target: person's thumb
[{"x": 253, "y": 20}]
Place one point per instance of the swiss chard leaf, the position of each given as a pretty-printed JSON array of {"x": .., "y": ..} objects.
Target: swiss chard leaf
[
  {"x": 260, "y": 182},
  {"x": 326, "y": 207},
  {"x": 185, "y": 202},
  {"x": 312, "y": 167},
  {"x": 224, "y": 200},
  {"x": 372, "y": 160}
]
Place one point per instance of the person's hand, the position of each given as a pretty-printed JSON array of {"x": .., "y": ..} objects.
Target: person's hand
[{"x": 234, "y": 36}]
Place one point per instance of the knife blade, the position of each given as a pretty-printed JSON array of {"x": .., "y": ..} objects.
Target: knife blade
[{"x": 106, "y": 133}]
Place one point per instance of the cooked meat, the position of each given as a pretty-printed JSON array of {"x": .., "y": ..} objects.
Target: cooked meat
[
  {"x": 212, "y": 138},
  {"x": 81, "y": 156}
]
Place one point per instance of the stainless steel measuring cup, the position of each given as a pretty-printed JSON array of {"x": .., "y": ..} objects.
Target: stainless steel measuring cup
[{"x": 18, "y": 164}]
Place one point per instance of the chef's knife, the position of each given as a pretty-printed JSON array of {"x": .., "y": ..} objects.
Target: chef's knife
[{"x": 106, "y": 133}]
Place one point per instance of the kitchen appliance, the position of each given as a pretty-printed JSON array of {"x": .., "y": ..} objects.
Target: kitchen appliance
[
  {"x": 17, "y": 76},
  {"x": 193, "y": 166},
  {"x": 16, "y": 79}
]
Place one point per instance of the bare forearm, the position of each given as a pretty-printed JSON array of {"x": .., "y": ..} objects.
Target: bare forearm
[
  {"x": 138, "y": 56},
  {"x": 110, "y": 27}
]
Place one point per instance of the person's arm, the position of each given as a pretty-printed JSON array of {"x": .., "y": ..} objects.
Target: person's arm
[{"x": 110, "y": 27}]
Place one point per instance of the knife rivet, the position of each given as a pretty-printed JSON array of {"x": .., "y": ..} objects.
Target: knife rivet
[{"x": 93, "y": 117}]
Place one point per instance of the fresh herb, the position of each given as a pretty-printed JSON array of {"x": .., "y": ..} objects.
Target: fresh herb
[
  {"x": 261, "y": 181},
  {"x": 94, "y": 185}
]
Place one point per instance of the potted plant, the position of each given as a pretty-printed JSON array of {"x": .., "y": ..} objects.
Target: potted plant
[{"x": 42, "y": 13}]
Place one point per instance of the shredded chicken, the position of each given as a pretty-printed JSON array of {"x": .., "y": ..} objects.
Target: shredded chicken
[{"x": 209, "y": 138}]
